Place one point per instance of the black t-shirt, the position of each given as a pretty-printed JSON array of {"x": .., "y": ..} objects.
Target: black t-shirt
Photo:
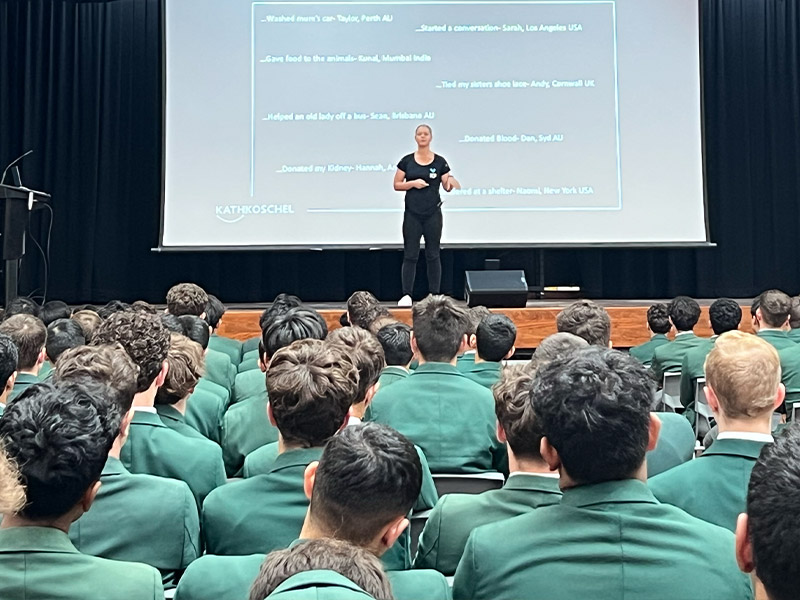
[{"x": 426, "y": 201}]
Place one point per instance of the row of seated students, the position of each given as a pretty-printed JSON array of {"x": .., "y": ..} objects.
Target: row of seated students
[{"x": 340, "y": 445}]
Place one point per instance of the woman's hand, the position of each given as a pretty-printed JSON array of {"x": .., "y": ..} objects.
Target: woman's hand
[
  {"x": 419, "y": 184},
  {"x": 450, "y": 183}
]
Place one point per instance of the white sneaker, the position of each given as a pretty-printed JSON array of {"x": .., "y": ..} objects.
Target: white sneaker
[{"x": 405, "y": 301}]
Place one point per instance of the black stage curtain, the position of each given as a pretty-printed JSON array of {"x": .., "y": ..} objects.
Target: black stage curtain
[{"x": 80, "y": 82}]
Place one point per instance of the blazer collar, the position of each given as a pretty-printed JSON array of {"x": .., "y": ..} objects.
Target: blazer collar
[
  {"x": 35, "y": 539},
  {"x": 141, "y": 417},
  {"x": 494, "y": 367},
  {"x": 395, "y": 370},
  {"x": 114, "y": 466},
  {"x": 27, "y": 378},
  {"x": 438, "y": 368},
  {"x": 772, "y": 334},
  {"x": 533, "y": 483},
  {"x": 318, "y": 578},
  {"x": 168, "y": 412},
  {"x": 608, "y": 492},
  {"x": 295, "y": 458},
  {"x": 732, "y": 447}
]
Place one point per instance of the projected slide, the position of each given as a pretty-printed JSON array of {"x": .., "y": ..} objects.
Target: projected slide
[{"x": 566, "y": 122}]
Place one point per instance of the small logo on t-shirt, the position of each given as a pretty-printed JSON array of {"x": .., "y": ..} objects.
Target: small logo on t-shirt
[{"x": 433, "y": 173}]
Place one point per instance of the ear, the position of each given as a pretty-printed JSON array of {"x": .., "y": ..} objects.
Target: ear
[
  {"x": 464, "y": 344},
  {"x": 655, "y": 431},
  {"x": 711, "y": 397},
  {"x": 392, "y": 531},
  {"x": 371, "y": 391},
  {"x": 472, "y": 341},
  {"x": 501, "y": 433},
  {"x": 550, "y": 455},
  {"x": 42, "y": 356},
  {"x": 162, "y": 375},
  {"x": 125, "y": 423},
  {"x": 510, "y": 353},
  {"x": 744, "y": 549},
  {"x": 202, "y": 315},
  {"x": 89, "y": 495},
  {"x": 263, "y": 363},
  {"x": 10, "y": 382},
  {"x": 270, "y": 415},
  {"x": 309, "y": 476},
  {"x": 780, "y": 395},
  {"x": 414, "y": 347}
]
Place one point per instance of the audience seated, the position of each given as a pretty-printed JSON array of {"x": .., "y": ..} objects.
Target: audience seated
[
  {"x": 658, "y": 324},
  {"x": 475, "y": 315},
  {"x": 62, "y": 334},
  {"x": 59, "y": 436},
  {"x": 684, "y": 312},
  {"x": 215, "y": 310},
  {"x": 495, "y": 339},
  {"x": 152, "y": 447},
  {"x": 395, "y": 339},
  {"x": 218, "y": 367},
  {"x": 743, "y": 389},
  {"x": 530, "y": 485},
  {"x": 9, "y": 356},
  {"x": 770, "y": 318},
  {"x": 588, "y": 320},
  {"x": 437, "y": 407},
  {"x": 767, "y": 537},
  {"x": 609, "y": 537},
  {"x": 29, "y": 335},
  {"x": 138, "y": 518}
]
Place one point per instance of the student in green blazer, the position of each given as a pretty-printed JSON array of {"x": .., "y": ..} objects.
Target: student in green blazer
[
  {"x": 9, "y": 355},
  {"x": 770, "y": 312},
  {"x": 218, "y": 368},
  {"x": 530, "y": 485},
  {"x": 609, "y": 537},
  {"x": 205, "y": 412},
  {"x": 495, "y": 339},
  {"x": 37, "y": 559},
  {"x": 675, "y": 446},
  {"x": 743, "y": 389},
  {"x": 395, "y": 339},
  {"x": 214, "y": 312},
  {"x": 438, "y": 408},
  {"x": 29, "y": 335},
  {"x": 466, "y": 359},
  {"x": 62, "y": 334},
  {"x": 658, "y": 324},
  {"x": 250, "y": 384},
  {"x": 684, "y": 312}
]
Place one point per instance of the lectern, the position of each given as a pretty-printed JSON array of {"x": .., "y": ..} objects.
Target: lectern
[{"x": 17, "y": 203}]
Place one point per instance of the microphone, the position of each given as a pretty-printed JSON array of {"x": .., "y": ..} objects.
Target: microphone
[{"x": 13, "y": 162}]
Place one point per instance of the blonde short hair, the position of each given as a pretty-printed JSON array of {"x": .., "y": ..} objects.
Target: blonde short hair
[
  {"x": 744, "y": 371},
  {"x": 186, "y": 362},
  {"x": 12, "y": 494}
]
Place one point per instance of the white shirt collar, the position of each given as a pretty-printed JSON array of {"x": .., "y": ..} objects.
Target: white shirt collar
[
  {"x": 745, "y": 435},
  {"x": 351, "y": 420},
  {"x": 150, "y": 409},
  {"x": 548, "y": 475},
  {"x": 684, "y": 333}
]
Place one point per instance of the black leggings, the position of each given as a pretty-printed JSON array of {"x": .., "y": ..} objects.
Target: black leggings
[{"x": 430, "y": 228}]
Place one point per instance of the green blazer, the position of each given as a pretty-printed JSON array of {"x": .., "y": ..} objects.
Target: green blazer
[
  {"x": 23, "y": 382},
  {"x": 644, "y": 352},
  {"x": 249, "y": 384},
  {"x": 140, "y": 518},
  {"x": 250, "y": 345},
  {"x": 391, "y": 374},
  {"x": 692, "y": 370},
  {"x": 319, "y": 585},
  {"x": 46, "y": 371},
  {"x": 230, "y": 577},
  {"x": 231, "y": 347},
  {"x": 41, "y": 562},
  {"x": 606, "y": 541},
  {"x": 154, "y": 448},
  {"x": 248, "y": 364},
  {"x": 485, "y": 373},
  {"x": 245, "y": 427},
  {"x": 794, "y": 335},
  {"x": 714, "y": 486},
  {"x": 669, "y": 357},
  {"x": 173, "y": 419},
  {"x": 790, "y": 373},
  {"x": 465, "y": 362},
  {"x": 675, "y": 444},
  {"x": 223, "y": 393},
  {"x": 447, "y": 415},
  {"x": 456, "y": 515},
  {"x": 779, "y": 339},
  {"x": 205, "y": 412},
  {"x": 219, "y": 369}
]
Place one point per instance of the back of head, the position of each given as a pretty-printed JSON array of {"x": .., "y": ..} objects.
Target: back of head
[
  {"x": 22, "y": 306},
  {"x": 368, "y": 476},
  {"x": 89, "y": 321},
  {"x": 144, "y": 306},
  {"x": 111, "y": 307},
  {"x": 744, "y": 371},
  {"x": 557, "y": 345},
  {"x": 108, "y": 364},
  {"x": 196, "y": 329},
  {"x": 658, "y": 318},
  {"x": 725, "y": 315},
  {"x": 377, "y": 317},
  {"x": 186, "y": 361},
  {"x": 295, "y": 324},
  {"x": 439, "y": 326},
  {"x": 59, "y": 436},
  {"x": 588, "y": 320},
  {"x": 327, "y": 554},
  {"x": 62, "y": 335},
  {"x": 171, "y": 323},
  {"x": 186, "y": 299},
  {"x": 214, "y": 311},
  {"x": 684, "y": 312},
  {"x": 775, "y": 307},
  {"x": 282, "y": 304},
  {"x": 142, "y": 336},
  {"x": 495, "y": 337},
  {"x": 359, "y": 307},
  {"x": 29, "y": 334},
  {"x": 54, "y": 310},
  {"x": 366, "y": 353},
  {"x": 512, "y": 405},
  {"x": 794, "y": 313},
  {"x": 9, "y": 356},
  {"x": 594, "y": 409},
  {"x": 475, "y": 315},
  {"x": 311, "y": 386},
  {"x": 395, "y": 339},
  {"x": 774, "y": 531}
]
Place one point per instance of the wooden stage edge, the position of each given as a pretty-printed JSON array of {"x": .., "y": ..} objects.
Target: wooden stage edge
[{"x": 534, "y": 323}]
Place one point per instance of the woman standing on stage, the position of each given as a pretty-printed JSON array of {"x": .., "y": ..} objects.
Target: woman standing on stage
[{"x": 419, "y": 175}]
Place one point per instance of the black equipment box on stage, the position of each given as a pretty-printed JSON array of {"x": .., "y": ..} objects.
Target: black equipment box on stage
[{"x": 496, "y": 289}]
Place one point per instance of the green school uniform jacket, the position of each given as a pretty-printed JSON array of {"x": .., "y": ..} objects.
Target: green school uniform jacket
[
  {"x": 692, "y": 370},
  {"x": 794, "y": 335},
  {"x": 456, "y": 515},
  {"x": 779, "y": 339},
  {"x": 486, "y": 373},
  {"x": 231, "y": 347},
  {"x": 41, "y": 563},
  {"x": 644, "y": 352},
  {"x": 712, "y": 487},
  {"x": 668, "y": 358},
  {"x": 675, "y": 444},
  {"x": 46, "y": 371},
  {"x": 249, "y": 384},
  {"x": 230, "y": 578},
  {"x": 219, "y": 369},
  {"x": 318, "y": 585},
  {"x": 790, "y": 373},
  {"x": 205, "y": 412},
  {"x": 447, "y": 415},
  {"x": 23, "y": 382},
  {"x": 154, "y": 448},
  {"x": 465, "y": 362},
  {"x": 391, "y": 374},
  {"x": 173, "y": 419},
  {"x": 245, "y": 427},
  {"x": 140, "y": 518},
  {"x": 248, "y": 364},
  {"x": 605, "y": 541},
  {"x": 223, "y": 393},
  {"x": 250, "y": 345}
]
